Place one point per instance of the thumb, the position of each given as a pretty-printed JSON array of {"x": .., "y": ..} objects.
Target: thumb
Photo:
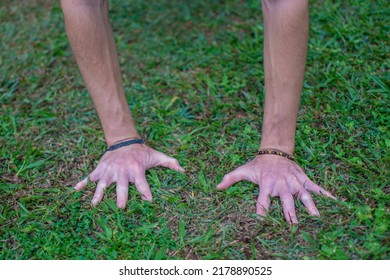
[
  {"x": 170, "y": 163},
  {"x": 232, "y": 178}
]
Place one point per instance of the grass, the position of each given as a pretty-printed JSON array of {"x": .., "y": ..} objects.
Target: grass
[{"x": 194, "y": 81}]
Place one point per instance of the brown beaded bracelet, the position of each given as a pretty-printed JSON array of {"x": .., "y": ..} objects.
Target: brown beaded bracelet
[{"x": 275, "y": 152}]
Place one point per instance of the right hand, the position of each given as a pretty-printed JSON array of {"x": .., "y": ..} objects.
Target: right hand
[{"x": 127, "y": 165}]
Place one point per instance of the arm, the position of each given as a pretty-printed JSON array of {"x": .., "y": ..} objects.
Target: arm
[
  {"x": 286, "y": 27},
  {"x": 93, "y": 46},
  {"x": 92, "y": 42}
]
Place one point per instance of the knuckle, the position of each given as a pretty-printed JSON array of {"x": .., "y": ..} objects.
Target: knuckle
[
  {"x": 227, "y": 177},
  {"x": 97, "y": 195},
  {"x": 140, "y": 182},
  {"x": 95, "y": 175},
  {"x": 94, "y": 178},
  {"x": 102, "y": 183},
  {"x": 102, "y": 165},
  {"x": 304, "y": 196}
]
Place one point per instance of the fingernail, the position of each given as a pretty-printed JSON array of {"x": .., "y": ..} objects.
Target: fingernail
[
  {"x": 148, "y": 198},
  {"x": 260, "y": 217}
]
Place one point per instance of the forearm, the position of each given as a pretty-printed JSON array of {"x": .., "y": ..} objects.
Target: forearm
[
  {"x": 93, "y": 45},
  {"x": 286, "y": 28}
]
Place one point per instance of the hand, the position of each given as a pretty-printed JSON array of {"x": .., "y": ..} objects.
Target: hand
[
  {"x": 277, "y": 177},
  {"x": 124, "y": 165}
]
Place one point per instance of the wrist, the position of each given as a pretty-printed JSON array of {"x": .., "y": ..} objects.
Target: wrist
[
  {"x": 287, "y": 148},
  {"x": 125, "y": 143},
  {"x": 119, "y": 128},
  {"x": 115, "y": 137},
  {"x": 276, "y": 152},
  {"x": 279, "y": 140},
  {"x": 279, "y": 134},
  {"x": 116, "y": 141}
]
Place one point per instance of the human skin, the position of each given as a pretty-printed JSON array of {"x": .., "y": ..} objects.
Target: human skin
[
  {"x": 93, "y": 46},
  {"x": 286, "y": 29},
  {"x": 285, "y": 47}
]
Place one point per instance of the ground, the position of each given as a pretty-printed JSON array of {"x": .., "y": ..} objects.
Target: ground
[{"x": 193, "y": 76}]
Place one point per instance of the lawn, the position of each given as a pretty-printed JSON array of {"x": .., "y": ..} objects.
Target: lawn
[{"x": 194, "y": 81}]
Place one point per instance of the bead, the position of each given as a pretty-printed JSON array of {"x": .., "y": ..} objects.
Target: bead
[{"x": 275, "y": 152}]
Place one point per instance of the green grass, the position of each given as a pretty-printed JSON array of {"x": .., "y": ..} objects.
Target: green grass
[{"x": 194, "y": 80}]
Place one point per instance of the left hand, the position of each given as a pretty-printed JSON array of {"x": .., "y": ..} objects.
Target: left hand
[{"x": 277, "y": 177}]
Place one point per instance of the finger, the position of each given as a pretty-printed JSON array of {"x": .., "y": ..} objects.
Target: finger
[
  {"x": 232, "y": 178},
  {"x": 263, "y": 202},
  {"x": 80, "y": 185},
  {"x": 289, "y": 208},
  {"x": 97, "y": 173},
  {"x": 168, "y": 162},
  {"x": 99, "y": 192},
  {"x": 307, "y": 200},
  {"x": 122, "y": 192},
  {"x": 313, "y": 187},
  {"x": 143, "y": 187}
]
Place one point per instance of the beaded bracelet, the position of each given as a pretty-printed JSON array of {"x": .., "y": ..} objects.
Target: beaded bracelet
[
  {"x": 275, "y": 152},
  {"x": 125, "y": 143}
]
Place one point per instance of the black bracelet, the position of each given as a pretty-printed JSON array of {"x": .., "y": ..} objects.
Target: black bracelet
[
  {"x": 275, "y": 152},
  {"x": 125, "y": 143}
]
